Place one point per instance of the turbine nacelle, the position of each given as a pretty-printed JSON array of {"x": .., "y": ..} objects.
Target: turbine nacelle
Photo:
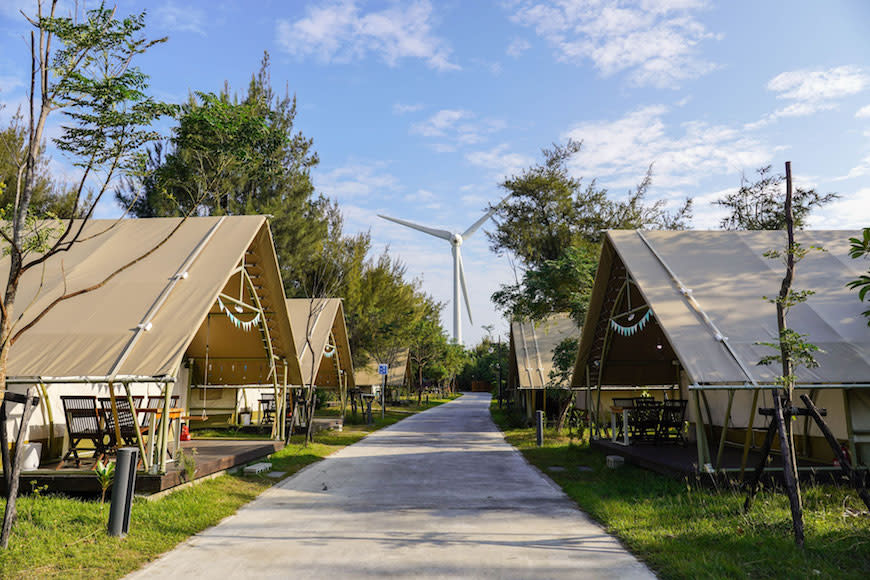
[{"x": 455, "y": 240}]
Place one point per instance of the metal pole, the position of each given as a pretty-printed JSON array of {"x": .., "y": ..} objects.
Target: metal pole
[
  {"x": 384, "y": 398},
  {"x": 539, "y": 428}
]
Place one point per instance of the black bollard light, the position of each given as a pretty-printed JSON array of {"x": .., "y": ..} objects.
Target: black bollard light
[{"x": 122, "y": 491}]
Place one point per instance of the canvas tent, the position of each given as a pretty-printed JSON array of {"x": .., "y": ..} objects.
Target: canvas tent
[
  {"x": 324, "y": 357},
  {"x": 398, "y": 374},
  {"x": 530, "y": 358},
  {"x": 202, "y": 312},
  {"x": 685, "y": 311}
]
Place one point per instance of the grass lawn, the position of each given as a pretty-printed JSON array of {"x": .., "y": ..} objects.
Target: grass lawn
[
  {"x": 60, "y": 537},
  {"x": 684, "y": 530}
]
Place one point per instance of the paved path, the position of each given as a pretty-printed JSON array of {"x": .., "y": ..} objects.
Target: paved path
[{"x": 437, "y": 495}]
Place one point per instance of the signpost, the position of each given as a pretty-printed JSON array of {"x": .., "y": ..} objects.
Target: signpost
[{"x": 383, "y": 370}]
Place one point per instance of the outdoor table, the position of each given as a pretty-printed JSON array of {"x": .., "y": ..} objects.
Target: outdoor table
[
  {"x": 624, "y": 411},
  {"x": 175, "y": 415}
]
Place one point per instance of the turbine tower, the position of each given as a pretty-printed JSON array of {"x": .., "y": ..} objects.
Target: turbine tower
[{"x": 455, "y": 239}]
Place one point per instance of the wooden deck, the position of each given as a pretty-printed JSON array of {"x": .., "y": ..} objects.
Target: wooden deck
[
  {"x": 679, "y": 461},
  {"x": 212, "y": 456}
]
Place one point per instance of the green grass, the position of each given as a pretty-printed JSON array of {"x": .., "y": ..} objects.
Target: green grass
[
  {"x": 61, "y": 537},
  {"x": 684, "y": 530}
]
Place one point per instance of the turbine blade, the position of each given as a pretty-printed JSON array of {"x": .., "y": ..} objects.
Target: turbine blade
[
  {"x": 476, "y": 225},
  {"x": 464, "y": 287},
  {"x": 443, "y": 234}
]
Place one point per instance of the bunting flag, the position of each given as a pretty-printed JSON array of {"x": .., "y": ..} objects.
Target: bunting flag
[
  {"x": 633, "y": 329},
  {"x": 245, "y": 325}
]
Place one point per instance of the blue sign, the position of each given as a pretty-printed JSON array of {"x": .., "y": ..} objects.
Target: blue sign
[{"x": 382, "y": 369}]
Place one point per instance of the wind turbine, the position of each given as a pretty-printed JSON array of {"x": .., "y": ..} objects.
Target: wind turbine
[{"x": 455, "y": 239}]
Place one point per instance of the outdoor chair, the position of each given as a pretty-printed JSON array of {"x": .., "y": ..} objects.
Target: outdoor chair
[
  {"x": 673, "y": 421},
  {"x": 624, "y": 403},
  {"x": 126, "y": 421},
  {"x": 82, "y": 424},
  {"x": 267, "y": 409},
  {"x": 643, "y": 422}
]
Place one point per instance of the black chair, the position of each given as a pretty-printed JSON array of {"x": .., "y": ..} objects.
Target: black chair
[
  {"x": 644, "y": 419},
  {"x": 673, "y": 421},
  {"x": 267, "y": 409},
  {"x": 83, "y": 424},
  {"x": 126, "y": 421}
]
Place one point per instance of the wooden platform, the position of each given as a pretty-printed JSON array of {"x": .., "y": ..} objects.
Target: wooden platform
[
  {"x": 678, "y": 461},
  {"x": 212, "y": 456}
]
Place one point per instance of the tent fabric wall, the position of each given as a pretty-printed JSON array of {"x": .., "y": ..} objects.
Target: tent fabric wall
[
  {"x": 398, "y": 373},
  {"x": 318, "y": 318},
  {"x": 729, "y": 277},
  {"x": 85, "y": 335},
  {"x": 531, "y": 349}
]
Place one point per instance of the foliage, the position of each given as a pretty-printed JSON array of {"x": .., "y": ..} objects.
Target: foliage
[
  {"x": 759, "y": 205},
  {"x": 105, "y": 473},
  {"x": 237, "y": 156},
  {"x": 564, "y": 356},
  {"x": 552, "y": 225},
  {"x": 560, "y": 285},
  {"x": 485, "y": 362},
  {"x": 549, "y": 210},
  {"x": 428, "y": 341},
  {"x": 50, "y": 198},
  {"x": 790, "y": 343},
  {"x": 187, "y": 461},
  {"x": 860, "y": 248}
]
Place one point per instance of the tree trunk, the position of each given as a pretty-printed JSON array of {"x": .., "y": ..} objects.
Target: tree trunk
[{"x": 12, "y": 491}]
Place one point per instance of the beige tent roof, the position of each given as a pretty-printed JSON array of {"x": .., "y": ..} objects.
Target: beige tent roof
[
  {"x": 86, "y": 335},
  {"x": 368, "y": 375},
  {"x": 532, "y": 345},
  {"x": 727, "y": 275},
  {"x": 320, "y": 318}
]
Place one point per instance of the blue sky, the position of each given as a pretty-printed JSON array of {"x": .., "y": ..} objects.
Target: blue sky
[{"x": 419, "y": 108}]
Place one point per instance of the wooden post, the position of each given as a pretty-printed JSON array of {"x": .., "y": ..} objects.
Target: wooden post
[
  {"x": 12, "y": 491},
  {"x": 845, "y": 465},
  {"x": 748, "y": 438},
  {"x": 759, "y": 469},
  {"x": 792, "y": 485},
  {"x": 4, "y": 444},
  {"x": 724, "y": 431}
]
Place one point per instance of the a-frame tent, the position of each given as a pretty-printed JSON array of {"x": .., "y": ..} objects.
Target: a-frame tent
[
  {"x": 530, "y": 357},
  {"x": 398, "y": 374},
  {"x": 199, "y": 317},
  {"x": 686, "y": 311},
  {"x": 322, "y": 343}
]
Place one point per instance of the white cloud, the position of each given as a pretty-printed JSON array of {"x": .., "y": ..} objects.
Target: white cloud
[
  {"x": 863, "y": 112},
  {"x": 860, "y": 170},
  {"x": 457, "y": 127},
  {"x": 654, "y": 41},
  {"x": 404, "y": 108},
  {"x": 181, "y": 18},
  {"x": 812, "y": 91},
  {"x": 341, "y": 32},
  {"x": 848, "y": 212},
  {"x": 499, "y": 161},
  {"x": 619, "y": 151},
  {"x": 517, "y": 47},
  {"x": 356, "y": 179}
]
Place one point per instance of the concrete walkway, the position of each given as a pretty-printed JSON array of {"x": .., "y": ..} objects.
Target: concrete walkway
[{"x": 438, "y": 495}]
